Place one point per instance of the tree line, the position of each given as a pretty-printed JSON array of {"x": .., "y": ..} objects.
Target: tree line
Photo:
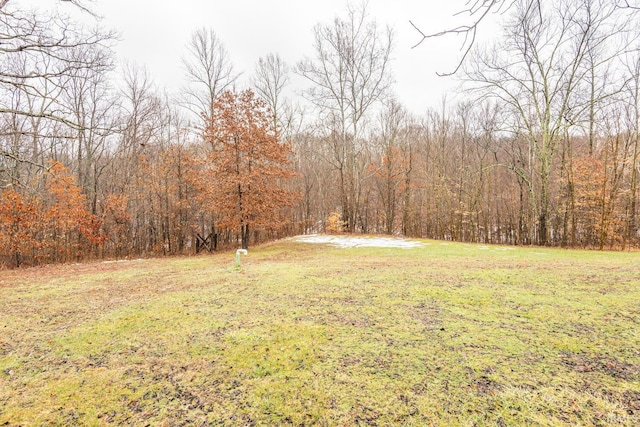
[{"x": 541, "y": 148}]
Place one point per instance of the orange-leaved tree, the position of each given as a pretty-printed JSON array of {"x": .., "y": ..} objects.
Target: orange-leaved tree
[
  {"x": 248, "y": 165},
  {"x": 116, "y": 224},
  {"x": 71, "y": 229},
  {"x": 54, "y": 225},
  {"x": 19, "y": 219}
]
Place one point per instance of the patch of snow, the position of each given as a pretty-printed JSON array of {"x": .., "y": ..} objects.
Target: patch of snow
[{"x": 359, "y": 241}]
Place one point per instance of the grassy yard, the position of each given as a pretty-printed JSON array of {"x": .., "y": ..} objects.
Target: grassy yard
[{"x": 308, "y": 334}]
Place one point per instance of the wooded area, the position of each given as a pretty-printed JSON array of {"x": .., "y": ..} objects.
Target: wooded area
[{"x": 542, "y": 149}]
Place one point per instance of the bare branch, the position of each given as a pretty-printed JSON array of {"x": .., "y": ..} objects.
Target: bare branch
[
  {"x": 624, "y": 4},
  {"x": 477, "y": 11},
  {"x": 208, "y": 69},
  {"x": 80, "y": 4}
]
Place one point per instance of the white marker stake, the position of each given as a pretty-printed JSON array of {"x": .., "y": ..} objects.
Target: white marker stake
[{"x": 238, "y": 252}]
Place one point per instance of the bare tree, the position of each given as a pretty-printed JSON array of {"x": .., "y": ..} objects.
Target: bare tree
[
  {"x": 632, "y": 117},
  {"x": 349, "y": 74},
  {"x": 270, "y": 79},
  {"x": 89, "y": 98},
  {"x": 36, "y": 57},
  {"x": 141, "y": 105},
  {"x": 209, "y": 71},
  {"x": 475, "y": 12},
  {"x": 395, "y": 151},
  {"x": 538, "y": 70}
]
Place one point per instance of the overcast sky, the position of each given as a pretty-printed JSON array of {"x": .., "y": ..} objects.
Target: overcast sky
[{"x": 154, "y": 34}]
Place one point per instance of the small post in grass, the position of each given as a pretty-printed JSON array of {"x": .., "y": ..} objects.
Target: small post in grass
[{"x": 238, "y": 252}]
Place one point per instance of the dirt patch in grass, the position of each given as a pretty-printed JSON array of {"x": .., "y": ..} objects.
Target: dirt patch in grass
[
  {"x": 484, "y": 385},
  {"x": 428, "y": 315},
  {"x": 604, "y": 364},
  {"x": 631, "y": 399}
]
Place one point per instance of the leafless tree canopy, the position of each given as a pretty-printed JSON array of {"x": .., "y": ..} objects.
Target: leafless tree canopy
[
  {"x": 349, "y": 74},
  {"x": 39, "y": 56},
  {"x": 208, "y": 69},
  {"x": 270, "y": 78},
  {"x": 477, "y": 11}
]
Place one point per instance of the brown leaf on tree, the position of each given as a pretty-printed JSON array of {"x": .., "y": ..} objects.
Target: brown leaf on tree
[{"x": 247, "y": 165}]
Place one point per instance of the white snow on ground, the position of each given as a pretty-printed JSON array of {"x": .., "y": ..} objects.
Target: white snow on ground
[{"x": 359, "y": 241}]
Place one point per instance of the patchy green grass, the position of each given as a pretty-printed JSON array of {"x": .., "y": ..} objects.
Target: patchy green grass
[{"x": 446, "y": 334}]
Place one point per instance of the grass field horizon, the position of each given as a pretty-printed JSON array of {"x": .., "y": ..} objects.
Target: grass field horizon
[{"x": 311, "y": 334}]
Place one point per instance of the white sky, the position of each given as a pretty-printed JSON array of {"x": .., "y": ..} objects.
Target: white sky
[{"x": 154, "y": 34}]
